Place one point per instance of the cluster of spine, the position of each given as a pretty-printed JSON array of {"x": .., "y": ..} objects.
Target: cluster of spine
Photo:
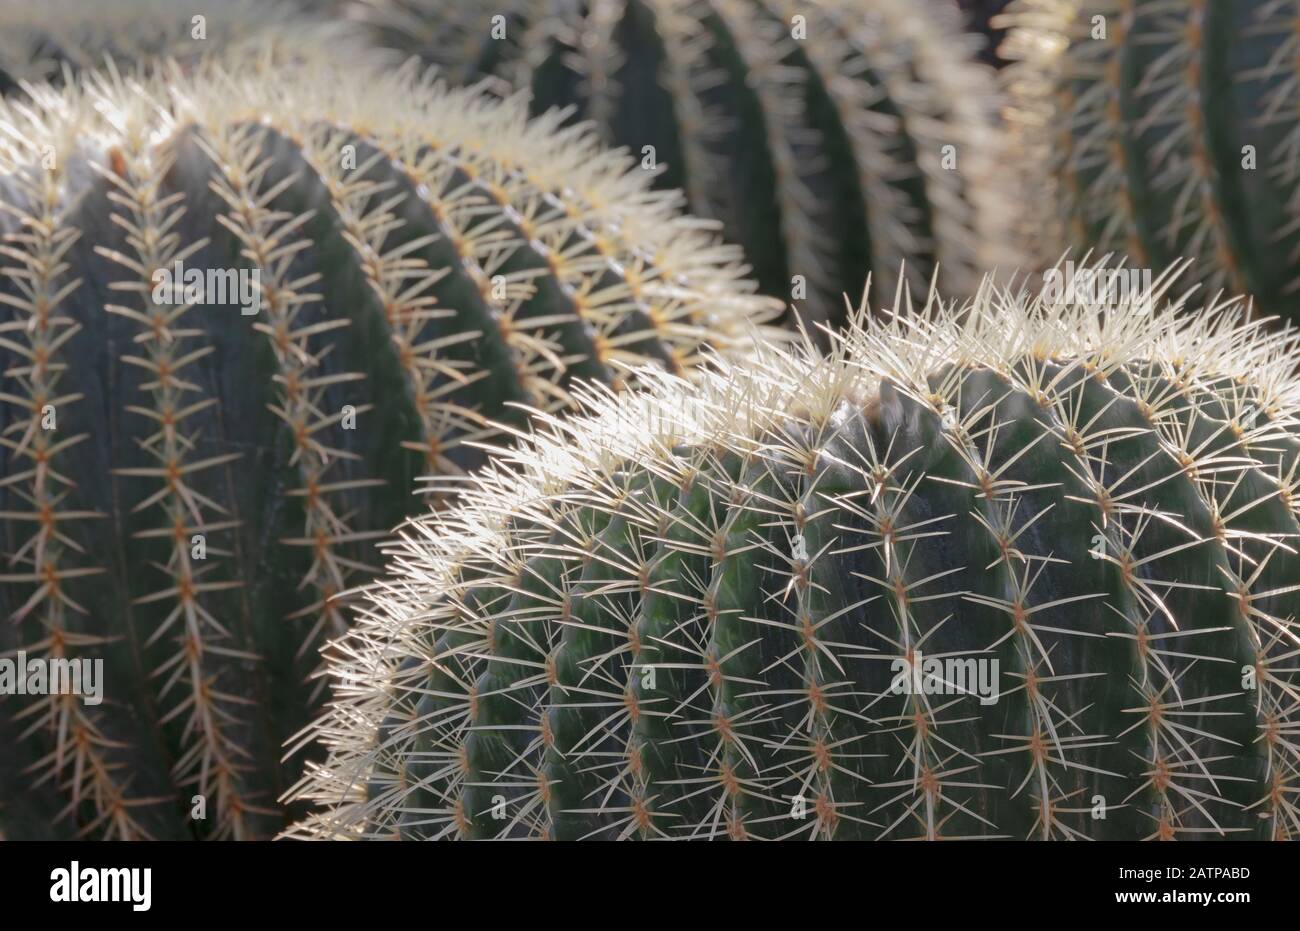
[
  {"x": 40, "y": 41},
  {"x": 1163, "y": 130},
  {"x": 701, "y": 611},
  {"x": 187, "y": 488},
  {"x": 835, "y": 139}
]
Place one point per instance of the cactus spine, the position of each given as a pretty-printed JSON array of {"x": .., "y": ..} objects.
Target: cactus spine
[
  {"x": 1164, "y": 130},
  {"x": 834, "y": 138},
  {"x": 187, "y": 489},
  {"x": 982, "y": 18},
  {"x": 714, "y": 611}
]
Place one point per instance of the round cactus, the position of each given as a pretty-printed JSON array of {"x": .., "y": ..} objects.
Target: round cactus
[
  {"x": 240, "y": 313},
  {"x": 834, "y": 138},
  {"x": 1163, "y": 130},
  {"x": 1001, "y": 569}
]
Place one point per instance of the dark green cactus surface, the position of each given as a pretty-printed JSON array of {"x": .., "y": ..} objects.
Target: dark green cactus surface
[
  {"x": 1005, "y": 570},
  {"x": 1163, "y": 130},
  {"x": 834, "y": 138},
  {"x": 185, "y": 485}
]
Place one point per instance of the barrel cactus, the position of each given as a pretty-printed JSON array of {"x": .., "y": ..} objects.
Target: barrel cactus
[
  {"x": 1011, "y": 568},
  {"x": 240, "y": 313},
  {"x": 834, "y": 138},
  {"x": 1167, "y": 130}
]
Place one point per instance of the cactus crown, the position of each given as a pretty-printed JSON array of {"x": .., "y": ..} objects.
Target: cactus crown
[
  {"x": 428, "y": 261},
  {"x": 684, "y": 614},
  {"x": 1162, "y": 131},
  {"x": 832, "y": 137}
]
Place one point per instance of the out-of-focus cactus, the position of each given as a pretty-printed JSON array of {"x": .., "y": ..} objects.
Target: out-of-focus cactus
[
  {"x": 1162, "y": 130},
  {"x": 834, "y": 138}
]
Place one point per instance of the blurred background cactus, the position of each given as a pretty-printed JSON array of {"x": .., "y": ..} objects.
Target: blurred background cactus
[
  {"x": 1160, "y": 130},
  {"x": 715, "y": 611},
  {"x": 834, "y": 138},
  {"x": 188, "y": 485}
]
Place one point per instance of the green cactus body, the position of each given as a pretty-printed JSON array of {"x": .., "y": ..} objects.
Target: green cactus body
[
  {"x": 186, "y": 487},
  {"x": 1162, "y": 131},
  {"x": 834, "y": 138},
  {"x": 996, "y": 570}
]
